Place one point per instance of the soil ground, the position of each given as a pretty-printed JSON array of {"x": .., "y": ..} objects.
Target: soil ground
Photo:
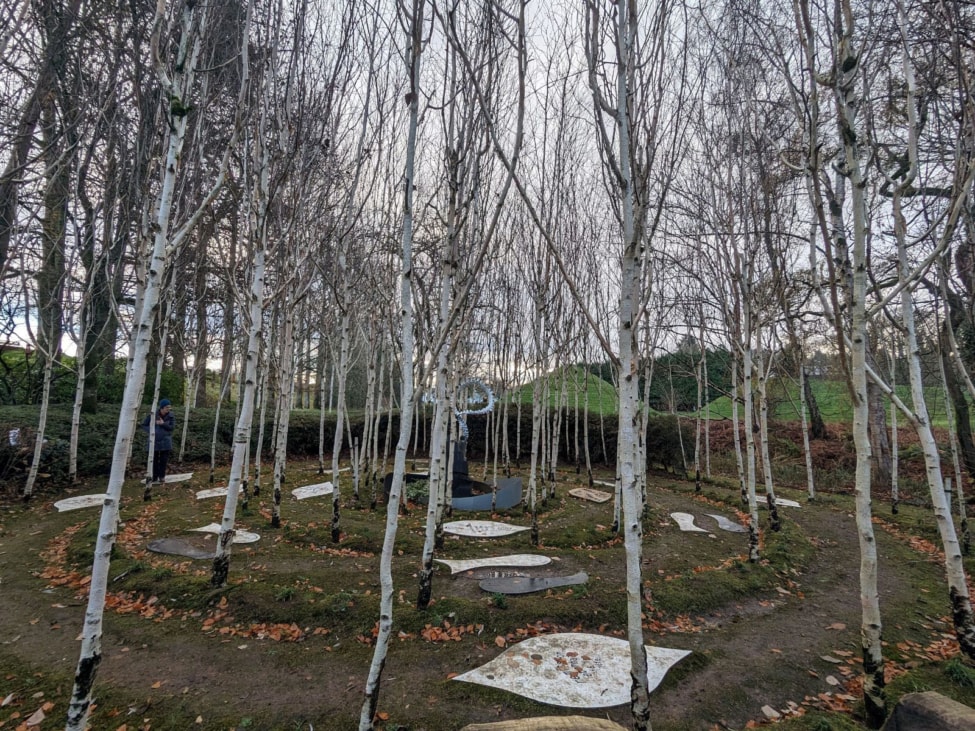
[{"x": 287, "y": 644}]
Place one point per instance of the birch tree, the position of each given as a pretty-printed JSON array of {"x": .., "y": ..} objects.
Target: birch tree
[
  {"x": 178, "y": 84},
  {"x": 411, "y": 15}
]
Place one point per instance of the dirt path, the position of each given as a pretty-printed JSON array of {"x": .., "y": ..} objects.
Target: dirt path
[{"x": 762, "y": 651}]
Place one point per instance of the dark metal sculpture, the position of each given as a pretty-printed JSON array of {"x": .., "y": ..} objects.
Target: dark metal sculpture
[{"x": 465, "y": 492}]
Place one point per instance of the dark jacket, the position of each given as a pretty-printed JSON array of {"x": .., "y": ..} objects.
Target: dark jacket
[{"x": 164, "y": 431}]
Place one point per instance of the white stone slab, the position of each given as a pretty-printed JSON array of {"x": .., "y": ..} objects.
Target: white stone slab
[
  {"x": 572, "y": 669},
  {"x": 80, "y": 501},
  {"x": 181, "y": 477},
  {"x": 215, "y": 492},
  {"x": 685, "y": 522},
  {"x": 595, "y": 496},
  {"x": 517, "y": 560},
  {"x": 779, "y": 501},
  {"x": 240, "y": 536},
  {"x": 322, "y": 488},
  {"x": 728, "y": 525},
  {"x": 481, "y": 528}
]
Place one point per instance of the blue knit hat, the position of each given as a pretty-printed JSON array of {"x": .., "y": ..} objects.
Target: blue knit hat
[{"x": 164, "y": 403}]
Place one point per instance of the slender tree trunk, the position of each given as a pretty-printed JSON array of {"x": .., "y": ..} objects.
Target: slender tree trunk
[
  {"x": 806, "y": 449},
  {"x": 763, "y": 370},
  {"x": 91, "y": 654},
  {"x": 847, "y": 69},
  {"x": 242, "y": 432},
  {"x": 285, "y": 395},
  {"x": 414, "y": 20}
]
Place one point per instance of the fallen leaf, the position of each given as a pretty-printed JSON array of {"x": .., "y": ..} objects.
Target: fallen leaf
[
  {"x": 500, "y": 641},
  {"x": 382, "y": 715},
  {"x": 37, "y": 718},
  {"x": 836, "y": 626},
  {"x": 7, "y": 701},
  {"x": 157, "y": 684},
  {"x": 830, "y": 658},
  {"x": 199, "y": 719}
]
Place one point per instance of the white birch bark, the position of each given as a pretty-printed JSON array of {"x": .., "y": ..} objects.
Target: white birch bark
[
  {"x": 630, "y": 281},
  {"x": 894, "y": 448},
  {"x": 242, "y": 431},
  {"x": 763, "y": 369},
  {"x": 749, "y": 409},
  {"x": 178, "y": 89},
  {"x": 285, "y": 394},
  {"x": 806, "y": 449},
  {"x": 39, "y": 438},
  {"x": 157, "y": 383},
  {"x": 735, "y": 432},
  {"x": 345, "y": 341},
  {"x": 847, "y": 71},
  {"x": 413, "y": 19},
  {"x": 961, "y": 606}
]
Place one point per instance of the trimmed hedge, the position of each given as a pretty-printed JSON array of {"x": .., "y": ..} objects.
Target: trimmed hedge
[{"x": 97, "y": 439}]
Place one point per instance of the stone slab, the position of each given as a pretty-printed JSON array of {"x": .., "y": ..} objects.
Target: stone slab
[
  {"x": 571, "y": 669},
  {"x": 481, "y": 528},
  {"x": 685, "y": 521},
  {"x": 930, "y": 711},
  {"x": 587, "y": 493},
  {"x": 199, "y": 547},
  {"x": 508, "y": 495},
  {"x": 319, "y": 490},
  {"x": 215, "y": 492},
  {"x": 518, "y": 560},
  {"x": 181, "y": 477},
  {"x": 240, "y": 536},
  {"x": 80, "y": 501},
  {"x": 548, "y": 723},
  {"x": 530, "y": 584},
  {"x": 780, "y": 501},
  {"x": 728, "y": 525}
]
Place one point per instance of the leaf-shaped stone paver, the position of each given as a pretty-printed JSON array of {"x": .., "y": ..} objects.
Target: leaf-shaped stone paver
[
  {"x": 685, "y": 521},
  {"x": 240, "y": 536},
  {"x": 518, "y": 560},
  {"x": 181, "y": 477},
  {"x": 728, "y": 525},
  {"x": 481, "y": 528},
  {"x": 189, "y": 547},
  {"x": 571, "y": 669},
  {"x": 215, "y": 492},
  {"x": 529, "y": 584},
  {"x": 586, "y": 493},
  {"x": 80, "y": 501},
  {"x": 319, "y": 490}
]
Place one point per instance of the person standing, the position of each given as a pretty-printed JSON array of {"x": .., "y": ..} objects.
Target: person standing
[{"x": 162, "y": 443}]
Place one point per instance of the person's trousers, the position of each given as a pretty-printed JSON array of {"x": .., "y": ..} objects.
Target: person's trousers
[{"x": 159, "y": 461}]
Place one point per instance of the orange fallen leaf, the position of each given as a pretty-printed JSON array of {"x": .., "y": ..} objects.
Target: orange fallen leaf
[{"x": 500, "y": 641}]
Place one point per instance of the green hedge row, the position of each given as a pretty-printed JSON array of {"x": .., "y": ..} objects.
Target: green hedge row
[{"x": 98, "y": 431}]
